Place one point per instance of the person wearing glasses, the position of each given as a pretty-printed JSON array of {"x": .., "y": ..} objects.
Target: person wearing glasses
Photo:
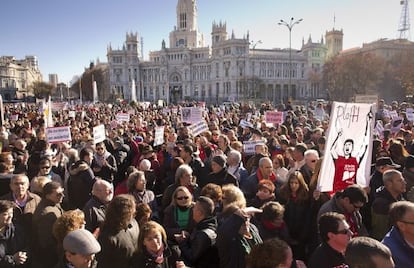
[
  {"x": 311, "y": 158},
  {"x": 335, "y": 233},
  {"x": 400, "y": 239},
  {"x": 47, "y": 212},
  {"x": 45, "y": 169},
  {"x": 104, "y": 163},
  {"x": 348, "y": 202},
  {"x": 178, "y": 216},
  {"x": 393, "y": 190}
]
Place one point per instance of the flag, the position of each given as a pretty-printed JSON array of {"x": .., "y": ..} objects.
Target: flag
[{"x": 48, "y": 113}]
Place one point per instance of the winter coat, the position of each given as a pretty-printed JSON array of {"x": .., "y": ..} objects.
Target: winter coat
[
  {"x": 402, "y": 253},
  {"x": 170, "y": 222},
  {"x": 12, "y": 240},
  {"x": 80, "y": 184},
  {"x": 200, "y": 250},
  {"x": 222, "y": 178},
  {"x": 118, "y": 248},
  {"x": 94, "y": 211}
]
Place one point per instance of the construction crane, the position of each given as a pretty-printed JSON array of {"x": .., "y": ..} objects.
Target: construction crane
[{"x": 404, "y": 26}]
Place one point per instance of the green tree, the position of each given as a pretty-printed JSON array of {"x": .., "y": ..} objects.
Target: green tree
[{"x": 42, "y": 89}]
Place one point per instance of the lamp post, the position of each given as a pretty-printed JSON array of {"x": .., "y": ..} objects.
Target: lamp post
[
  {"x": 289, "y": 24},
  {"x": 254, "y": 44}
]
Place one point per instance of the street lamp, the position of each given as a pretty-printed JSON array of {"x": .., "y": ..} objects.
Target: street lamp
[
  {"x": 290, "y": 25},
  {"x": 254, "y": 44}
]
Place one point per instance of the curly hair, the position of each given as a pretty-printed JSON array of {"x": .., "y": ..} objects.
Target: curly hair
[
  {"x": 69, "y": 221},
  {"x": 119, "y": 213}
]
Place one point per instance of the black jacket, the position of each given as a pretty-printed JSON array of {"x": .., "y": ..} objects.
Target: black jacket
[
  {"x": 94, "y": 211},
  {"x": 80, "y": 184},
  {"x": 145, "y": 260},
  {"x": 11, "y": 241},
  {"x": 200, "y": 250}
]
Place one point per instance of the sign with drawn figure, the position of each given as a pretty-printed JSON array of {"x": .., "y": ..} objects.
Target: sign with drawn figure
[
  {"x": 348, "y": 147},
  {"x": 191, "y": 114},
  {"x": 159, "y": 136},
  {"x": 58, "y": 134},
  {"x": 99, "y": 134}
]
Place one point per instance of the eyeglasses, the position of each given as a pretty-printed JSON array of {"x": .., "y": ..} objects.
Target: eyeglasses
[
  {"x": 46, "y": 167},
  {"x": 313, "y": 160},
  {"x": 344, "y": 231},
  {"x": 182, "y": 197},
  {"x": 99, "y": 149}
]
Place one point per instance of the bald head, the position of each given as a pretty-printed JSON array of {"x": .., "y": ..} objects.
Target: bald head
[{"x": 103, "y": 191}]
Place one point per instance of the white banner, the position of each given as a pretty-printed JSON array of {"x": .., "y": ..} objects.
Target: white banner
[
  {"x": 191, "y": 114},
  {"x": 159, "y": 136},
  {"x": 99, "y": 134},
  {"x": 348, "y": 147},
  {"x": 122, "y": 117},
  {"x": 72, "y": 114},
  {"x": 198, "y": 128},
  {"x": 58, "y": 134},
  {"x": 249, "y": 147}
]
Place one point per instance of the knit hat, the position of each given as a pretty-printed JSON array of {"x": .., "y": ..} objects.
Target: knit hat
[
  {"x": 219, "y": 160},
  {"x": 82, "y": 242}
]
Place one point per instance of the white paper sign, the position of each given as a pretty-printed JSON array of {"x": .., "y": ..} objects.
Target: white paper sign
[
  {"x": 198, "y": 128},
  {"x": 58, "y": 134},
  {"x": 99, "y": 134},
  {"x": 72, "y": 114},
  {"x": 249, "y": 147},
  {"x": 191, "y": 114},
  {"x": 122, "y": 117},
  {"x": 159, "y": 136}
]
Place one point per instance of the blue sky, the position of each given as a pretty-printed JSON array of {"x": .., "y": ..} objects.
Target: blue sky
[{"x": 66, "y": 35}]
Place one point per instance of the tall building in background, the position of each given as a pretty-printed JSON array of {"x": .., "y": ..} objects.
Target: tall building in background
[
  {"x": 17, "y": 76},
  {"x": 232, "y": 68},
  {"x": 53, "y": 80}
]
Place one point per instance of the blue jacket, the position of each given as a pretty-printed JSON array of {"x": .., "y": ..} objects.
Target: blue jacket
[{"x": 402, "y": 253}]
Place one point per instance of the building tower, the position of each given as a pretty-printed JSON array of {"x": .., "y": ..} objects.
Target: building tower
[
  {"x": 186, "y": 32},
  {"x": 334, "y": 42},
  {"x": 404, "y": 27},
  {"x": 219, "y": 33}
]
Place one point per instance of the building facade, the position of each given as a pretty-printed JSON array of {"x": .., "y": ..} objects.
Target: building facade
[
  {"x": 17, "y": 76},
  {"x": 230, "y": 69}
]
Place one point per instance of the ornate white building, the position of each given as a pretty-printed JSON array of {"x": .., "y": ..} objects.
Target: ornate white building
[
  {"x": 231, "y": 69},
  {"x": 17, "y": 76}
]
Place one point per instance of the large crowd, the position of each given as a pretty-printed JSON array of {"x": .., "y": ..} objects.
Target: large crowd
[{"x": 198, "y": 201}]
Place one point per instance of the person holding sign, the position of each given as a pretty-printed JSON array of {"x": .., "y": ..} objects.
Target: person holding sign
[{"x": 346, "y": 165}]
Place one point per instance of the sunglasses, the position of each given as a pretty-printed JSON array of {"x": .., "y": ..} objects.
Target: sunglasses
[
  {"x": 344, "y": 231},
  {"x": 182, "y": 197},
  {"x": 99, "y": 149}
]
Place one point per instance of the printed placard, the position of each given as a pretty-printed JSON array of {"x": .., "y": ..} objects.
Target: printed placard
[
  {"x": 274, "y": 117},
  {"x": 249, "y": 147},
  {"x": 159, "y": 136},
  {"x": 191, "y": 114},
  {"x": 99, "y": 134},
  {"x": 198, "y": 128},
  {"x": 72, "y": 114},
  {"x": 122, "y": 117},
  {"x": 58, "y": 134}
]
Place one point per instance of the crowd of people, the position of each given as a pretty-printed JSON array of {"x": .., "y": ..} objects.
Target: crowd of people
[{"x": 198, "y": 200}]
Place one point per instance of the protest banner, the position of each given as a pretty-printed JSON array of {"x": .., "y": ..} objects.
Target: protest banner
[
  {"x": 198, "y": 128},
  {"x": 159, "y": 136},
  {"x": 58, "y": 134},
  {"x": 191, "y": 114},
  {"x": 249, "y": 147},
  {"x": 274, "y": 117},
  {"x": 122, "y": 117},
  {"x": 99, "y": 134},
  {"x": 348, "y": 151}
]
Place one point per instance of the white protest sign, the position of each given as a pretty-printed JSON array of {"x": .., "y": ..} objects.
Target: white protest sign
[
  {"x": 159, "y": 136},
  {"x": 249, "y": 147},
  {"x": 244, "y": 124},
  {"x": 99, "y": 134},
  {"x": 410, "y": 114},
  {"x": 72, "y": 114},
  {"x": 58, "y": 134},
  {"x": 191, "y": 114},
  {"x": 394, "y": 115},
  {"x": 122, "y": 117},
  {"x": 274, "y": 117},
  {"x": 198, "y": 128}
]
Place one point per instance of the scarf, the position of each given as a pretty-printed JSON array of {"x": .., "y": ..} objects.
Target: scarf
[
  {"x": 271, "y": 226},
  {"x": 159, "y": 255},
  {"x": 272, "y": 176}
]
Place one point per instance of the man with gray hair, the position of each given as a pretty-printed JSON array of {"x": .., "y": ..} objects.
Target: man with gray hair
[
  {"x": 400, "y": 239},
  {"x": 235, "y": 166},
  {"x": 366, "y": 252},
  {"x": 392, "y": 191},
  {"x": 102, "y": 194}
]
